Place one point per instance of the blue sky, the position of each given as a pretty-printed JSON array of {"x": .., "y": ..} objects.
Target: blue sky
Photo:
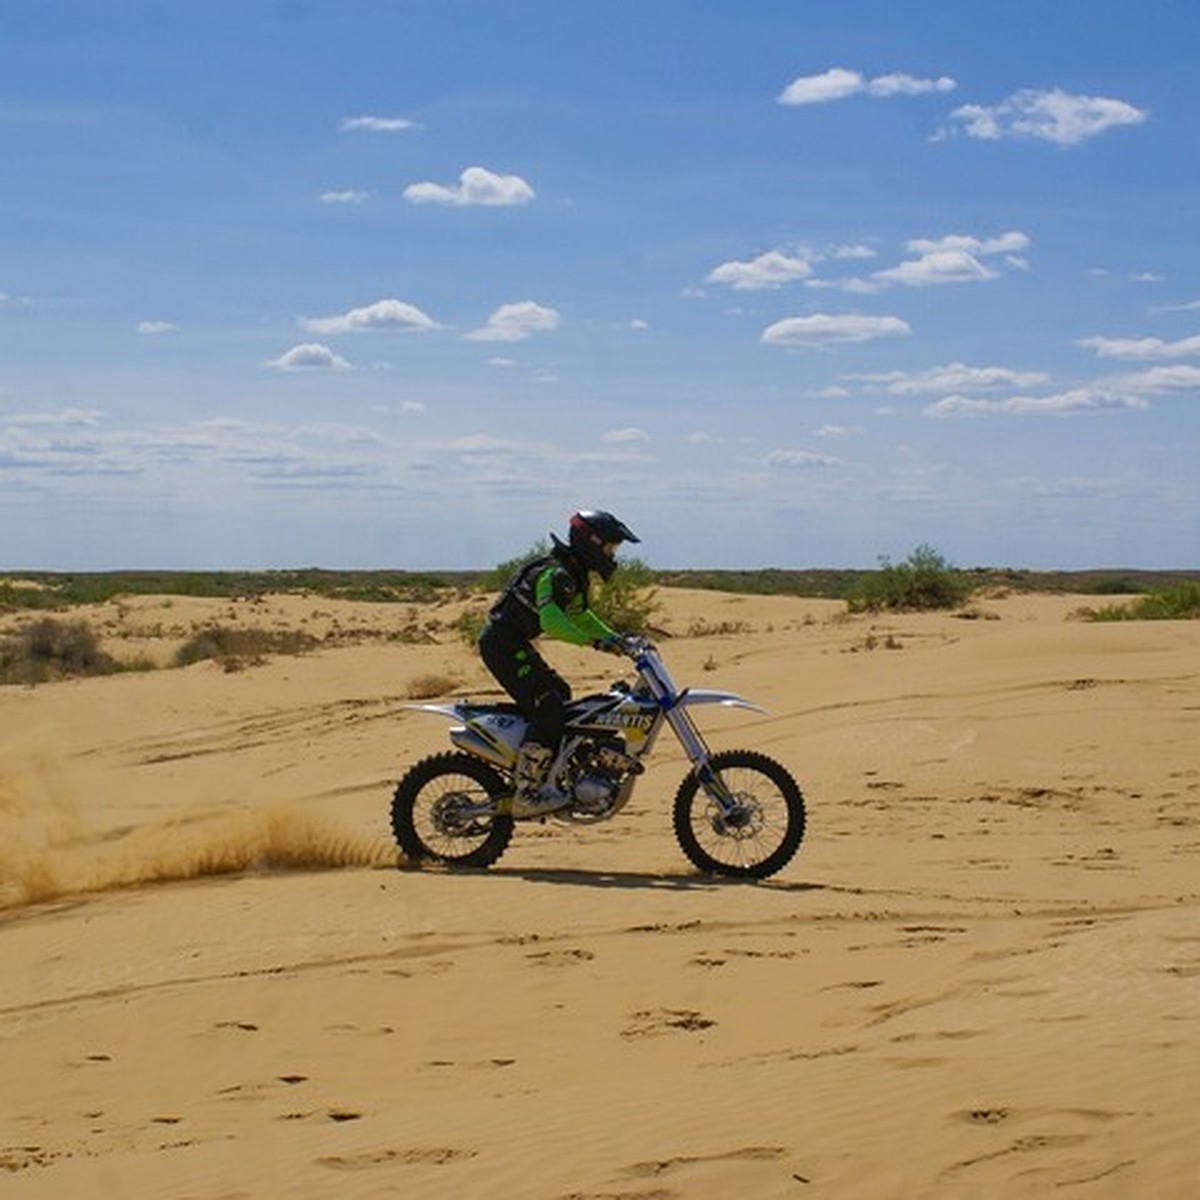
[{"x": 352, "y": 283}]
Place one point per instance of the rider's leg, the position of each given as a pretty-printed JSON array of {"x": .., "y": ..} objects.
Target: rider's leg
[
  {"x": 547, "y": 718},
  {"x": 541, "y": 694}
]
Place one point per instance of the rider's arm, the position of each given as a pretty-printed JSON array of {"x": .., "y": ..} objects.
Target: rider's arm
[
  {"x": 596, "y": 629},
  {"x": 553, "y": 593}
]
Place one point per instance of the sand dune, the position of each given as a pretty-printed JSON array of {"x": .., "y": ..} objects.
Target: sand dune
[{"x": 979, "y": 977}]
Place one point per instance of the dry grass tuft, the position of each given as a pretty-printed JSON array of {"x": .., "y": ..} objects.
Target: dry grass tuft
[{"x": 428, "y": 687}]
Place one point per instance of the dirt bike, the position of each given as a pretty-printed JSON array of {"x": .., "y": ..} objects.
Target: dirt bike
[{"x": 736, "y": 813}]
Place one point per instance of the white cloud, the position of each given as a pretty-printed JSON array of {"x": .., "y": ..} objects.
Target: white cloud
[
  {"x": 1069, "y": 487},
  {"x": 853, "y": 284},
  {"x": 824, "y": 329},
  {"x": 1142, "y": 348},
  {"x": 799, "y": 460},
  {"x": 628, "y": 434},
  {"x": 153, "y": 327},
  {"x": 515, "y": 323},
  {"x": 477, "y": 186},
  {"x": 376, "y": 124},
  {"x": 64, "y": 418},
  {"x": 957, "y": 258},
  {"x": 1156, "y": 380},
  {"x": 1190, "y": 306},
  {"x": 907, "y": 85},
  {"x": 1006, "y": 243},
  {"x": 1050, "y": 116},
  {"x": 347, "y": 196},
  {"x": 1121, "y": 392},
  {"x": 484, "y": 443},
  {"x": 1075, "y": 400},
  {"x": 338, "y": 433},
  {"x": 405, "y": 406},
  {"x": 834, "y": 84},
  {"x": 62, "y": 445},
  {"x": 952, "y": 378},
  {"x": 383, "y": 314},
  {"x": 310, "y": 357},
  {"x": 770, "y": 270},
  {"x": 857, "y": 250},
  {"x": 837, "y": 83},
  {"x": 939, "y": 266}
]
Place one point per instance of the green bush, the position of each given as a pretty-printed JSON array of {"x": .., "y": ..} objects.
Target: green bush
[
  {"x": 50, "y": 649},
  {"x": 628, "y": 600},
  {"x": 237, "y": 648},
  {"x": 469, "y": 624},
  {"x": 924, "y": 581},
  {"x": 13, "y": 597},
  {"x": 1181, "y": 603}
]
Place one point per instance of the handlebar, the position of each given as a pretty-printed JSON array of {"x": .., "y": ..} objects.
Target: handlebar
[{"x": 632, "y": 645}]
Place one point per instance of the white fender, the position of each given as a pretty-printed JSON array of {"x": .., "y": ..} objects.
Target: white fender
[
  {"x": 452, "y": 711},
  {"x": 704, "y": 696}
]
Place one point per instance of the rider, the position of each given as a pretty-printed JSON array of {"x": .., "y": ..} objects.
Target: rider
[{"x": 549, "y": 595}]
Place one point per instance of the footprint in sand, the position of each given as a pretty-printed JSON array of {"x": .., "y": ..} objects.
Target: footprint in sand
[
  {"x": 649, "y": 1022},
  {"x": 489, "y": 1064},
  {"x": 559, "y": 958},
  {"x": 659, "y": 1167},
  {"x": 437, "y": 1156}
]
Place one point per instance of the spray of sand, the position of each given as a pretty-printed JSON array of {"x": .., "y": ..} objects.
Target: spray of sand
[{"x": 47, "y": 854}]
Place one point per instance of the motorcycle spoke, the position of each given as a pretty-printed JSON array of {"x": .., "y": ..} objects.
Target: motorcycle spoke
[
  {"x": 748, "y": 822},
  {"x": 445, "y": 809}
]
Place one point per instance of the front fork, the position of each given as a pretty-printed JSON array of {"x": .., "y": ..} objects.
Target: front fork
[{"x": 697, "y": 751}]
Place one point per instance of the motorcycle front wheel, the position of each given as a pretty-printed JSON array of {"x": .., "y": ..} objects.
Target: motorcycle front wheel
[
  {"x": 444, "y": 810},
  {"x": 759, "y": 834}
]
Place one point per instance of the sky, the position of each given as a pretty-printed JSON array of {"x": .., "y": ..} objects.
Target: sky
[{"x": 400, "y": 284}]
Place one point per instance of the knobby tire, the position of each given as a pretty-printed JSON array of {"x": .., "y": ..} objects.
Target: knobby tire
[
  {"x": 432, "y": 781},
  {"x": 780, "y": 817}
]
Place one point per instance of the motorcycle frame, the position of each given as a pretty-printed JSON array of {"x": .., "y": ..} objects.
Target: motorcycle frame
[{"x": 671, "y": 707}]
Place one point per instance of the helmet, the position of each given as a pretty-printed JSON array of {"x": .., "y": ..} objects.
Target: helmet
[{"x": 590, "y": 532}]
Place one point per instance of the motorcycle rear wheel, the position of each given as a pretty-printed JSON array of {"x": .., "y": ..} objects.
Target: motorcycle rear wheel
[
  {"x": 432, "y": 817},
  {"x": 764, "y": 831}
]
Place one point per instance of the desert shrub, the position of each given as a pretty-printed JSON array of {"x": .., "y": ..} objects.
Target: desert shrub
[
  {"x": 701, "y": 628},
  {"x": 426, "y": 687},
  {"x": 237, "y": 648},
  {"x": 1180, "y": 603},
  {"x": 469, "y": 624},
  {"x": 15, "y": 596},
  {"x": 1120, "y": 586},
  {"x": 51, "y": 649},
  {"x": 628, "y": 600},
  {"x": 922, "y": 582}
]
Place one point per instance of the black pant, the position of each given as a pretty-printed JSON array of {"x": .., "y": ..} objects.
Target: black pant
[{"x": 540, "y": 692}]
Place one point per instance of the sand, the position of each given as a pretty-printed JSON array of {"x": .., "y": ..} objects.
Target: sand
[{"x": 979, "y": 977}]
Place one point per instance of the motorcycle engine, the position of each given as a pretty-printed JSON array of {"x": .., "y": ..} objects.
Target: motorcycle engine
[
  {"x": 597, "y": 771},
  {"x": 595, "y": 792}
]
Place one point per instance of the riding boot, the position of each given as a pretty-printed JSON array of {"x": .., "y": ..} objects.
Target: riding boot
[{"x": 532, "y": 795}]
